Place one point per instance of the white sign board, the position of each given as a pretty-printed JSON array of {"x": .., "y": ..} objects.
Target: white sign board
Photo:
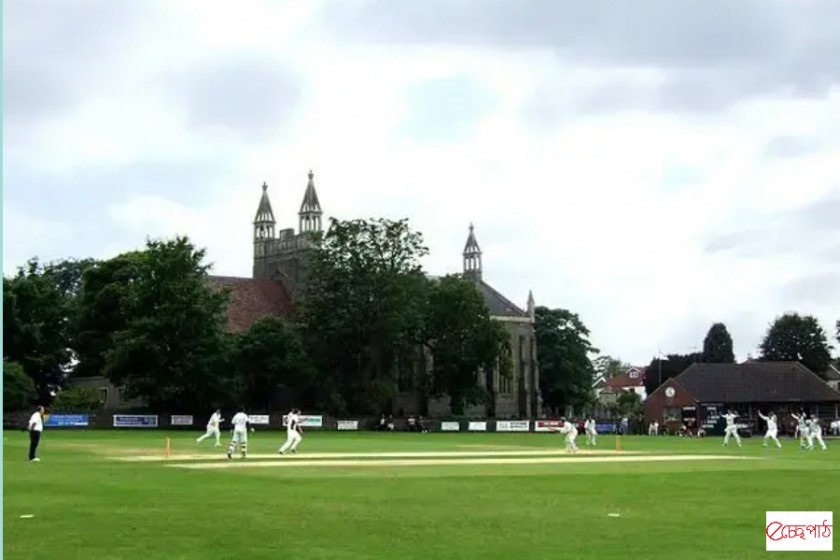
[
  {"x": 348, "y": 425},
  {"x": 450, "y": 426},
  {"x": 477, "y": 427},
  {"x": 513, "y": 426}
]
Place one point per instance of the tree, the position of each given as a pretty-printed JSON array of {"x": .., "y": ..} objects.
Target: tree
[
  {"x": 363, "y": 310},
  {"x": 563, "y": 350},
  {"x": 169, "y": 337},
  {"x": 19, "y": 391},
  {"x": 660, "y": 370},
  {"x": 463, "y": 342},
  {"x": 77, "y": 399},
  {"x": 271, "y": 365},
  {"x": 717, "y": 346},
  {"x": 102, "y": 309},
  {"x": 629, "y": 403},
  {"x": 837, "y": 334},
  {"x": 609, "y": 367},
  {"x": 795, "y": 337},
  {"x": 39, "y": 315}
]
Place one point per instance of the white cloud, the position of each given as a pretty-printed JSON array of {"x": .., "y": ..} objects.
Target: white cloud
[{"x": 608, "y": 213}]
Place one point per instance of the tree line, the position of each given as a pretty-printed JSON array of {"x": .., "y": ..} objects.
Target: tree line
[{"x": 370, "y": 322}]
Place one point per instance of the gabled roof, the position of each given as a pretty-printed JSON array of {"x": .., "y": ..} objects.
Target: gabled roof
[
  {"x": 251, "y": 300},
  {"x": 498, "y": 304},
  {"x": 757, "y": 382},
  {"x": 627, "y": 379},
  {"x": 833, "y": 373}
]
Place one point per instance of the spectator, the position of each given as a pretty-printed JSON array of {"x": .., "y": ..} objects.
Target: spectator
[
  {"x": 35, "y": 427},
  {"x": 390, "y": 426}
]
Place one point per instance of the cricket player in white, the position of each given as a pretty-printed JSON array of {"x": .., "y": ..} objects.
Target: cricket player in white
[
  {"x": 293, "y": 432},
  {"x": 213, "y": 428},
  {"x": 802, "y": 429},
  {"x": 815, "y": 433},
  {"x": 591, "y": 431},
  {"x": 731, "y": 428},
  {"x": 571, "y": 432},
  {"x": 240, "y": 434},
  {"x": 772, "y": 429}
]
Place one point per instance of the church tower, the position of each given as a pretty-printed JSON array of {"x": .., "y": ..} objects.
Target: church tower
[
  {"x": 309, "y": 216},
  {"x": 282, "y": 256},
  {"x": 472, "y": 257}
]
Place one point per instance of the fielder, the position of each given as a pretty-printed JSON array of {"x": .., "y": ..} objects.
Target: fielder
[
  {"x": 591, "y": 431},
  {"x": 240, "y": 434},
  {"x": 731, "y": 428},
  {"x": 802, "y": 430},
  {"x": 213, "y": 428},
  {"x": 772, "y": 429},
  {"x": 815, "y": 433},
  {"x": 571, "y": 432},
  {"x": 293, "y": 432}
]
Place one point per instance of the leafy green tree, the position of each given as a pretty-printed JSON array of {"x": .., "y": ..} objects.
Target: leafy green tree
[
  {"x": 609, "y": 367},
  {"x": 662, "y": 369},
  {"x": 19, "y": 391},
  {"x": 629, "y": 403},
  {"x": 463, "y": 342},
  {"x": 363, "y": 310},
  {"x": 102, "y": 309},
  {"x": 795, "y": 337},
  {"x": 169, "y": 338},
  {"x": 717, "y": 346},
  {"x": 563, "y": 350},
  {"x": 77, "y": 399},
  {"x": 39, "y": 315},
  {"x": 271, "y": 364}
]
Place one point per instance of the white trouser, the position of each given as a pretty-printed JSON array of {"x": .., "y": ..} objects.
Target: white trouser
[
  {"x": 570, "y": 441},
  {"x": 211, "y": 432},
  {"x": 731, "y": 432},
  {"x": 814, "y": 435},
  {"x": 591, "y": 437},
  {"x": 292, "y": 441},
  {"x": 239, "y": 438},
  {"x": 772, "y": 434}
]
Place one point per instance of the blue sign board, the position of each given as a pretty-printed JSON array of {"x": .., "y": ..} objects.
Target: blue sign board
[
  {"x": 135, "y": 421},
  {"x": 67, "y": 421}
]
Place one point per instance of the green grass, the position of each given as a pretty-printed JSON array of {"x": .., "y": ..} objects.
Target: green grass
[{"x": 86, "y": 505}]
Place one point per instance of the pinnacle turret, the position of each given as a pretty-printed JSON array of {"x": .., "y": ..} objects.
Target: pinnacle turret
[
  {"x": 472, "y": 256},
  {"x": 310, "y": 209},
  {"x": 264, "y": 221}
]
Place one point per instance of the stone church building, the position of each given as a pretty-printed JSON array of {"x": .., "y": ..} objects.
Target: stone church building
[{"x": 279, "y": 277}]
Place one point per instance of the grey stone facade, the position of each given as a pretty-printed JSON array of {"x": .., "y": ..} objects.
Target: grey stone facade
[{"x": 281, "y": 257}]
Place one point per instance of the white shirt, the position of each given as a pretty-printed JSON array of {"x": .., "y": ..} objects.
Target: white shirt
[
  {"x": 569, "y": 429},
  {"x": 590, "y": 426},
  {"x": 814, "y": 427},
  {"x": 730, "y": 420},
  {"x": 292, "y": 423},
  {"x": 240, "y": 422},
  {"x": 771, "y": 423},
  {"x": 214, "y": 421},
  {"x": 36, "y": 423}
]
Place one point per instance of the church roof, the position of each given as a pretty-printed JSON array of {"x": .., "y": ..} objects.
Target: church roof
[
  {"x": 310, "y": 203},
  {"x": 251, "y": 300},
  {"x": 498, "y": 304}
]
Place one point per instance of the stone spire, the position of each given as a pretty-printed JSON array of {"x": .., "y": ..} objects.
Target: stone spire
[
  {"x": 472, "y": 256},
  {"x": 531, "y": 306},
  {"x": 310, "y": 209},
  {"x": 264, "y": 221}
]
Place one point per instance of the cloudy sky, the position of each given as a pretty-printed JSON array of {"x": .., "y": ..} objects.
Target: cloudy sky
[{"x": 653, "y": 166}]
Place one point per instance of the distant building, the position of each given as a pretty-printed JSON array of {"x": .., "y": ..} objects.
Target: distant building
[
  {"x": 832, "y": 377},
  {"x": 279, "y": 279},
  {"x": 703, "y": 392},
  {"x": 110, "y": 395},
  {"x": 631, "y": 380}
]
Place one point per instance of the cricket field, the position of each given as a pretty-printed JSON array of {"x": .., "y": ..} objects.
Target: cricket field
[{"x": 115, "y": 495}]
